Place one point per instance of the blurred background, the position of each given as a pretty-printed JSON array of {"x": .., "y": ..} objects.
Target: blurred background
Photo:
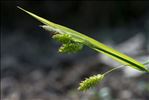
[{"x": 31, "y": 68}]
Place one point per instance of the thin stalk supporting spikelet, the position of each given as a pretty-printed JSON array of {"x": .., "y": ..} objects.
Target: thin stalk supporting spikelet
[{"x": 95, "y": 79}]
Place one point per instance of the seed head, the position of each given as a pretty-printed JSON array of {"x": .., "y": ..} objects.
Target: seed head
[{"x": 90, "y": 82}]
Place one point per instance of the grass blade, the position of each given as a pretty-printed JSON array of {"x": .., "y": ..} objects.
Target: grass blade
[{"x": 90, "y": 42}]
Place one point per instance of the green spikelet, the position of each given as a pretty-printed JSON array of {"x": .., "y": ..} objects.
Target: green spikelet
[
  {"x": 90, "y": 82},
  {"x": 70, "y": 47},
  {"x": 62, "y": 38}
]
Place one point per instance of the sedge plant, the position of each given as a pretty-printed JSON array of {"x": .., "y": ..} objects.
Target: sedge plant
[{"x": 73, "y": 41}]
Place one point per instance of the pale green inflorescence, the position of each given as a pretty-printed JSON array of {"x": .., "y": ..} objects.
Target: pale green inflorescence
[
  {"x": 90, "y": 82},
  {"x": 69, "y": 45},
  {"x": 70, "y": 48},
  {"x": 63, "y": 38}
]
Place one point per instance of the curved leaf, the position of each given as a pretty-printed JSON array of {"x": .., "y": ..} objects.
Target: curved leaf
[{"x": 90, "y": 42}]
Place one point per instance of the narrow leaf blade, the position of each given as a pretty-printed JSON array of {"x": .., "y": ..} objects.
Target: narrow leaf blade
[{"x": 98, "y": 46}]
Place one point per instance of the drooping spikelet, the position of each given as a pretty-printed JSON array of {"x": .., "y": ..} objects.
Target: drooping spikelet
[{"x": 90, "y": 82}]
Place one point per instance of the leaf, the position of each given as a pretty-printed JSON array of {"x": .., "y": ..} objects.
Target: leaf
[{"x": 90, "y": 42}]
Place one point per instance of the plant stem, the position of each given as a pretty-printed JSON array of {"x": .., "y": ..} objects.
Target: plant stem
[
  {"x": 146, "y": 63},
  {"x": 113, "y": 69}
]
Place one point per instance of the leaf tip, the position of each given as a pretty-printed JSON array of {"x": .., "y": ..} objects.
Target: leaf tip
[{"x": 20, "y": 8}]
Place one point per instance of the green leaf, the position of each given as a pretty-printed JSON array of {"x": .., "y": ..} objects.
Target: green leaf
[{"x": 90, "y": 42}]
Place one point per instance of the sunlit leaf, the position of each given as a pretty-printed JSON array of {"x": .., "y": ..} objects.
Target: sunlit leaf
[{"x": 90, "y": 42}]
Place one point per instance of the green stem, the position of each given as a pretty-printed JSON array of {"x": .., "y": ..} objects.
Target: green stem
[
  {"x": 113, "y": 69},
  {"x": 146, "y": 63}
]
